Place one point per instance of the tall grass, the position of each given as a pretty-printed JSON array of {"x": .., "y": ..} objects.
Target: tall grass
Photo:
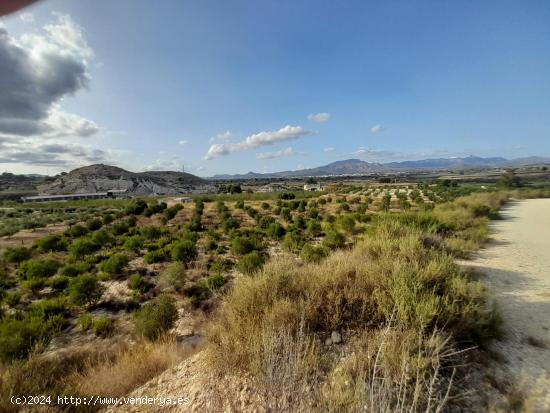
[{"x": 390, "y": 278}]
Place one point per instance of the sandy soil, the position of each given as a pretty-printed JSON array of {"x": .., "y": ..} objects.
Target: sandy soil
[{"x": 516, "y": 267}]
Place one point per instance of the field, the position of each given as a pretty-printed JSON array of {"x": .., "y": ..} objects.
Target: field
[{"x": 98, "y": 297}]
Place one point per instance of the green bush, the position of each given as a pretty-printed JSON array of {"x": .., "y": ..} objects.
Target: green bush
[
  {"x": 34, "y": 284},
  {"x": 293, "y": 241},
  {"x": 311, "y": 253},
  {"x": 138, "y": 283},
  {"x": 215, "y": 281},
  {"x": 265, "y": 221},
  {"x": 72, "y": 270},
  {"x": 156, "y": 317},
  {"x": 82, "y": 247},
  {"x": 173, "y": 276},
  {"x": 120, "y": 228},
  {"x": 76, "y": 231},
  {"x": 85, "y": 321},
  {"x": 59, "y": 283},
  {"x": 275, "y": 230},
  {"x": 251, "y": 263},
  {"x": 51, "y": 243},
  {"x": 313, "y": 228},
  {"x": 151, "y": 232},
  {"x": 36, "y": 268},
  {"x": 334, "y": 239},
  {"x": 17, "y": 254},
  {"x": 103, "y": 326},
  {"x": 158, "y": 255},
  {"x": 346, "y": 222},
  {"x": 12, "y": 298},
  {"x": 85, "y": 290},
  {"x": 229, "y": 224},
  {"x": 103, "y": 238},
  {"x": 94, "y": 224},
  {"x": 239, "y": 204},
  {"x": 114, "y": 264},
  {"x": 244, "y": 245},
  {"x": 184, "y": 251},
  {"x": 220, "y": 266},
  {"x": 133, "y": 243}
]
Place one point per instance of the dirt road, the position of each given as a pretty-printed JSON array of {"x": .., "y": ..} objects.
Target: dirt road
[{"x": 516, "y": 267}]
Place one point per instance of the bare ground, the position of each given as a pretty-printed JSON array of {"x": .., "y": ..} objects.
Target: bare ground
[{"x": 516, "y": 267}]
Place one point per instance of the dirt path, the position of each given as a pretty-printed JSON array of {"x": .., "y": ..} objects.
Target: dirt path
[{"x": 516, "y": 266}]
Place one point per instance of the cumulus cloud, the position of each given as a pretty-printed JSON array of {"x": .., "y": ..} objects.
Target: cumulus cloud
[
  {"x": 277, "y": 154},
  {"x": 36, "y": 72},
  {"x": 376, "y": 129},
  {"x": 221, "y": 137},
  {"x": 330, "y": 149},
  {"x": 183, "y": 142},
  {"x": 319, "y": 117},
  {"x": 27, "y": 17},
  {"x": 37, "y": 152},
  {"x": 257, "y": 140}
]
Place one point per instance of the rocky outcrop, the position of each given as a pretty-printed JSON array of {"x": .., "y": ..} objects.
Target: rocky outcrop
[{"x": 101, "y": 178}]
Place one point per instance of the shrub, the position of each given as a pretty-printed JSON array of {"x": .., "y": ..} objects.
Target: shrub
[
  {"x": 82, "y": 247},
  {"x": 138, "y": 283},
  {"x": 313, "y": 228},
  {"x": 51, "y": 243},
  {"x": 17, "y": 254},
  {"x": 85, "y": 290},
  {"x": 334, "y": 239},
  {"x": 286, "y": 215},
  {"x": 266, "y": 206},
  {"x": 94, "y": 224},
  {"x": 287, "y": 195},
  {"x": 229, "y": 224},
  {"x": 293, "y": 242},
  {"x": 151, "y": 232},
  {"x": 76, "y": 231},
  {"x": 38, "y": 268},
  {"x": 311, "y": 253},
  {"x": 103, "y": 237},
  {"x": 215, "y": 281},
  {"x": 120, "y": 228},
  {"x": 12, "y": 298},
  {"x": 173, "y": 276},
  {"x": 265, "y": 222},
  {"x": 114, "y": 264},
  {"x": 346, "y": 222},
  {"x": 133, "y": 243},
  {"x": 107, "y": 219},
  {"x": 136, "y": 207},
  {"x": 242, "y": 245},
  {"x": 275, "y": 230},
  {"x": 72, "y": 270},
  {"x": 239, "y": 204},
  {"x": 251, "y": 263},
  {"x": 220, "y": 266},
  {"x": 85, "y": 321},
  {"x": 158, "y": 255},
  {"x": 59, "y": 283},
  {"x": 103, "y": 326},
  {"x": 184, "y": 251},
  {"x": 34, "y": 284},
  {"x": 156, "y": 317}
]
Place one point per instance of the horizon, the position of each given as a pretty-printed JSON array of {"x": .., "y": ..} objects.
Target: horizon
[{"x": 233, "y": 87}]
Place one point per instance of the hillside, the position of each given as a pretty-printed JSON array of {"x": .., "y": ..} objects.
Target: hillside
[{"x": 100, "y": 178}]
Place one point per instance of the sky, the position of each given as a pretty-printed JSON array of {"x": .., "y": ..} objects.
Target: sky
[{"x": 231, "y": 86}]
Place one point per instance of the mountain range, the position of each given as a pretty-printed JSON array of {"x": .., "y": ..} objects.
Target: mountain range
[{"x": 359, "y": 167}]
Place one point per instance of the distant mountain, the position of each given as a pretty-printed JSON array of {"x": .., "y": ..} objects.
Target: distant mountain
[
  {"x": 359, "y": 167},
  {"x": 101, "y": 178}
]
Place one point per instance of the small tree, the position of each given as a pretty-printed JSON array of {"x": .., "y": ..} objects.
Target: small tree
[
  {"x": 156, "y": 317},
  {"x": 184, "y": 251},
  {"x": 85, "y": 290}
]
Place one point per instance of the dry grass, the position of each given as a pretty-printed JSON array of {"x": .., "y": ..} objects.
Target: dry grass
[
  {"x": 282, "y": 316},
  {"x": 128, "y": 369}
]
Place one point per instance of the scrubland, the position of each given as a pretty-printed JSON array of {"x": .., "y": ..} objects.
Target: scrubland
[{"x": 333, "y": 302}]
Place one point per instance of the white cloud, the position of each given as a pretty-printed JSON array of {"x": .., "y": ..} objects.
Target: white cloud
[
  {"x": 222, "y": 137},
  {"x": 257, "y": 140},
  {"x": 330, "y": 149},
  {"x": 376, "y": 129},
  {"x": 277, "y": 154},
  {"x": 319, "y": 117},
  {"x": 27, "y": 17},
  {"x": 183, "y": 142},
  {"x": 38, "y": 71},
  {"x": 375, "y": 154}
]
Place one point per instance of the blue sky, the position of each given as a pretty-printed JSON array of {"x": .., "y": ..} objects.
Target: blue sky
[{"x": 390, "y": 80}]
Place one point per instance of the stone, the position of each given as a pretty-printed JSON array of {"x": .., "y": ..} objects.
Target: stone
[{"x": 336, "y": 337}]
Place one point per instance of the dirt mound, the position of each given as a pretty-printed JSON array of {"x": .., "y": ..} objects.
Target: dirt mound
[{"x": 101, "y": 178}]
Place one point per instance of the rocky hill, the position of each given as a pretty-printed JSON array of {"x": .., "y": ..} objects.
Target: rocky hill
[{"x": 101, "y": 178}]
